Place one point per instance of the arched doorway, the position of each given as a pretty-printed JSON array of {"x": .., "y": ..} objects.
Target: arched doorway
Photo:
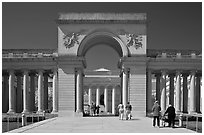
[{"x": 102, "y": 86}]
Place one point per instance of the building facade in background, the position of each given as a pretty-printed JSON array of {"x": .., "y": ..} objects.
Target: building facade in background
[{"x": 57, "y": 80}]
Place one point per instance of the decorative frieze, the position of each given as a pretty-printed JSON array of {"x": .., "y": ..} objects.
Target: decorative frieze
[
  {"x": 70, "y": 40},
  {"x": 134, "y": 40}
]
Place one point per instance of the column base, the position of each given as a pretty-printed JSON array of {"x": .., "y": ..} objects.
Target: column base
[
  {"x": 40, "y": 112},
  {"x": 11, "y": 112},
  {"x": 25, "y": 112},
  {"x": 54, "y": 112},
  {"x": 192, "y": 112},
  {"x": 78, "y": 114}
]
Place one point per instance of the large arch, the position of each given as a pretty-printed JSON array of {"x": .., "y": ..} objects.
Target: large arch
[{"x": 107, "y": 38}]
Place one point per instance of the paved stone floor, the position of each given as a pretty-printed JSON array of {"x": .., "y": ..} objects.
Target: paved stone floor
[{"x": 97, "y": 125}]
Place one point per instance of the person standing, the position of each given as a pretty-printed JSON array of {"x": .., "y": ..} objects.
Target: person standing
[
  {"x": 121, "y": 111},
  {"x": 171, "y": 115},
  {"x": 92, "y": 109},
  {"x": 128, "y": 109},
  {"x": 97, "y": 109},
  {"x": 156, "y": 113}
]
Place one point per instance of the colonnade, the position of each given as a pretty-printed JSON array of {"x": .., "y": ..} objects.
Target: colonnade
[
  {"x": 79, "y": 92},
  {"x": 107, "y": 92},
  {"x": 22, "y": 99},
  {"x": 178, "y": 91}
]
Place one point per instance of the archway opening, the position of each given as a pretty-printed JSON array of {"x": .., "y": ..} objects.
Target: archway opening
[{"x": 102, "y": 79}]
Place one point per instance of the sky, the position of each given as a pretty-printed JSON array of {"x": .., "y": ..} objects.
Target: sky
[{"x": 169, "y": 25}]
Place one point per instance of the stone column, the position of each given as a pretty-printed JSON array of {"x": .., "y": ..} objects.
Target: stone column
[
  {"x": 55, "y": 92},
  {"x": 98, "y": 96},
  {"x": 149, "y": 91},
  {"x": 192, "y": 93},
  {"x": 79, "y": 90},
  {"x": 40, "y": 92},
  {"x": 5, "y": 94},
  {"x": 125, "y": 86},
  {"x": 11, "y": 93},
  {"x": 158, "y": 75},
  {"x": 90, "y": 95},
  {"x": 19, "y": 95},
  {"x": 171, "y": 89},
  {"x": 45, "y": 91},
  {"x": 198, "y": 93},
  {"x": 106, "y": 99},
  {"x": 185, "y": 93},
  {"x": 163, "y": 91},
  {"x": 178, "y": 91},
  {"x": 25, "y": 92},
  {"x": 32, "y": 92},
  {"x": 113, "y": 100}
]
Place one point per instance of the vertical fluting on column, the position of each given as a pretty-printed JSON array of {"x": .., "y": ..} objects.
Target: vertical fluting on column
[
  {"x": 113, "y": 100},
  {"x": 178, "y": 91},
  {"x": 32, "y": 92},
  {"x": 98, "y": 96},
  {"x": 79, "y": 90},
  {"x": 19, "y": 94},
  {"x": 198, "y": 93},
  {"x": 40, "y": 91},
  {"x": 11, "y": 92},
  {"x": 125, "y": 86},
  {"x": 185, "y": 93},
  {"x": 106, "y": 98},
  {"x": 90, "y": 95},
  {"x": 163, "y": 91},
  {"x": 45, "y": 91},
  {"x": 171, "y": 89},
  {"x": 192, "y": 93},
  {"x": 5, "y": 93},
  {"x": 25, "y": 92},
  {"x": 158, "y": 75},
  {"x": 55, "y": 92},
  {"x": 149, "y": 91}
]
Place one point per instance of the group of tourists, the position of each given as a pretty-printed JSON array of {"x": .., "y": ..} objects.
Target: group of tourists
[
  {"x": 94, "y": 109},
  {"x": 125, "y": 112},
  {"x": 156, "y": 109}
]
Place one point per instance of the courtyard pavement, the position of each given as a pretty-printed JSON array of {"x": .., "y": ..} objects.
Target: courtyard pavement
[{"x": 97, "y": 125}]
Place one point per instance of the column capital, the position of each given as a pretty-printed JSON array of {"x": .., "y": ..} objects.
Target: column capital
[
  {"x": 125, "y": 70},
  {"x": 40, "y": 71},
  {"x": 25, "y": 71},
  {"x": 171, "y": 74},
  {"x": 18, "y": 73},
  {"x": 32, "y": 73},
  {"x": 178, "y": 72},
  {"x": 157, "y": 74},
  {"x": 193, "y": 72},
  {"x": 185, "y": 74},
  {"x": 164, "y": 72},
  {"x": 198, "y": 74},
  {"x": 11, "y": 71}
]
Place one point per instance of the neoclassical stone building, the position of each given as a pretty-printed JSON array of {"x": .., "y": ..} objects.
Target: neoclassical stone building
[{"x": 26, "y": 72}]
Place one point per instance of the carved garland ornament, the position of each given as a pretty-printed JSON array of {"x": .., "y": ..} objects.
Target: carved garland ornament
[
  {"x": 70, "y": 40},
  {"x": 134, "y": 40}
]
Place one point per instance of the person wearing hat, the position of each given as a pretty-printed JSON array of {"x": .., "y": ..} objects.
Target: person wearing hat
[{"x": 156, "y": 113}]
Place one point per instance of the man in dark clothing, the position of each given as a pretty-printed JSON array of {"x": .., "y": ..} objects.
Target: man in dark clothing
[
  {"x": 128, "y": 109},
  {"x": 97, "y": 109},
  {"x": 171, "y": 115},
  {"x": 156, "y": 113}
]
